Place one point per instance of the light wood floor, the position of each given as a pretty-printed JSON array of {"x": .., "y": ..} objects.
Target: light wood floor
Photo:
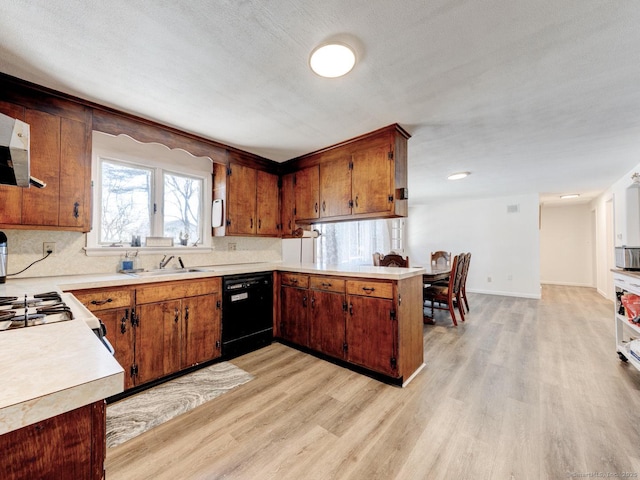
[{"x": 525, "y": 389}]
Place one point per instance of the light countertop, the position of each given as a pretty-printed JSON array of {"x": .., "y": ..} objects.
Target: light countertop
[{"x": 51, "y": 369}]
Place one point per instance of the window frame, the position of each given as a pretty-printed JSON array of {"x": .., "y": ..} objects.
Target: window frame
[{"x": 159, "y": 166}]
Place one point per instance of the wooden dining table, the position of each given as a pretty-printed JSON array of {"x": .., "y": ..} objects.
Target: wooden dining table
[{"x": 434, "y": 274}]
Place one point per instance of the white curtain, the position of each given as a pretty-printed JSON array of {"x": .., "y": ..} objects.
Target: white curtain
[{"x": 352, "y": 242}]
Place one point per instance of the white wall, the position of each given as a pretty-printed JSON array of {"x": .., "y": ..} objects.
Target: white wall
[
  {"x": 504, "y": 246},
  {"x": 566, "y": 245}
]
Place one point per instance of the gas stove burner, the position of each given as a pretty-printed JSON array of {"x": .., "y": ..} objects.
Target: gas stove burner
[
  {"x": 54, "y": 308},
  {"x": 48, "y": 296},
  {"x": 27, "y": 302},
  {"x": 7, "y": 300}
]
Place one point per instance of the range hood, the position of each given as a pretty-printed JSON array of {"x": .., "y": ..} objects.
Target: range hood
[{"x": 14, "y": 153}]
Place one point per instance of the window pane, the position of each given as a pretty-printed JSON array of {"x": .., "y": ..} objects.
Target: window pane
[
  {"x": 182, "y": 206},
  {"x": 352, "y": 242},
  {"x": 126, "y": 193}
]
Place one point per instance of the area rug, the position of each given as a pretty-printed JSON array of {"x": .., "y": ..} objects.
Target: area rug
[{"x": 134, "y": 415}]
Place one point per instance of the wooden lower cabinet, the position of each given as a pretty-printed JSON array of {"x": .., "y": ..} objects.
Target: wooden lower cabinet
[
  {"x": 159, "y": 328},
  {"x": 70, "y": 445},
  {"x": 373, "y": 324}
]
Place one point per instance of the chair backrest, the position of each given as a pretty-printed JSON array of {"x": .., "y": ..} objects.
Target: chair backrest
[
  {"x": 457, "y": 269},
  {"x": 394, "y": 260},
  {"x": 465, "y": 270},
  {"x": 376, "y": 259},
  {"x": 440, "y": 258}
]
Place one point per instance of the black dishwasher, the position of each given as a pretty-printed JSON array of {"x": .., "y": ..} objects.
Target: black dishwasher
[{"x": 247, "y": 313}]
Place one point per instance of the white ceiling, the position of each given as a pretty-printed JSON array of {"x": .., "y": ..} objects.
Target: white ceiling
[{"x": 539, "y": 96}]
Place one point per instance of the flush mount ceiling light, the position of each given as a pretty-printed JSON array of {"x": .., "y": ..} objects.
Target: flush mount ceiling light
[
  {"x": 332, "y": 60},
  {"x": 569, "y": 195},
  {"x": 458, "y": 176}
]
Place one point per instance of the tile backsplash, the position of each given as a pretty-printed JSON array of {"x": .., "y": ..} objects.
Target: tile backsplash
[{"x": 25, "y": 246}]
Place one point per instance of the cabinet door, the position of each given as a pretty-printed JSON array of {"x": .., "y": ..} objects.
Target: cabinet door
[
  {"x": 327, "y": 323},
  {"x": 372, "y": 176},
  {"x": 241, "y": 200},
  {"x": 202, "y": 333},
  {"x": 294, "y": 323},
  {"x": 11, "y": 197},
  {"x": 158, "y": 340},
  {"x": 335, "y": 187},
  {"x": 267, "y": 210},
  {"x": 40, "y": 205},
  {"x": 75, "y": 174},
  {"x": 120, "y": 334},
  {"x": 287, "y": 204},
  {"x": 371, "y": 334},
  {"x": 306, "y": 192}
]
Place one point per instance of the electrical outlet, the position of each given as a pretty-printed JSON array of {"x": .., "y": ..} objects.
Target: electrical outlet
[
  {"x": 488, "y": 279},
  {"x": 509, "y": 277},
  {"x": 232, "y": 246},
  {"x": 49, "y": 247}
]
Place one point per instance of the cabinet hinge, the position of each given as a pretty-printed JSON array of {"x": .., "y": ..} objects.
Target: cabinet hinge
[
  {"x": 393, "y": 362},
  {"x": 390, "y": 198},
  {"x": 218, "y": 304},
  {"x": 350, "y": 203},
  {"x": 390, "y": 155},
  {"x": 228, "y": 222},
  {"x": 218, "y": 344},
  {"x": 350, "y": 165},
  {"x": 345, "y": 347},
  {"x": 134, "y": 370},
  {"x": 344, "y": 308},
  {"x": 229, "y": 171},
  {"x": 135, "y": 319},
  {"x": 392, "y": 315}
]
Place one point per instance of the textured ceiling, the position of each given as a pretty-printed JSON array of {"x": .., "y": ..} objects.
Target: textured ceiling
[{"x": 531, "y": 97}]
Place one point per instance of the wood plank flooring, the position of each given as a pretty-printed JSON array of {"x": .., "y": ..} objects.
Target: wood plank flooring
[{"x": 524, "y": 389}]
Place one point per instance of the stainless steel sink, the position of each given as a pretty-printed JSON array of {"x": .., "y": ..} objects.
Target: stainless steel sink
[{"x": 170, "y": 271}]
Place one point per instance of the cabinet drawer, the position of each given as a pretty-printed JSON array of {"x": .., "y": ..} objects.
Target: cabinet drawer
[
  {"x": 328, "y": 284},
  {"x": 294, "y": 280},
  {"x": 159, "y": 292},
  {"x": 627, "y": 282},
  {"x": 104, "y": 299},
  {"x": 370, "y": 288}
]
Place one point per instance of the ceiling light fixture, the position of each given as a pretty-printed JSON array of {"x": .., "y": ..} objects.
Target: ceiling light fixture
[
  {"x": 569, "y": 195},
  {"x": 458, "y": 176},
  {"x": 332, "y": 60}
]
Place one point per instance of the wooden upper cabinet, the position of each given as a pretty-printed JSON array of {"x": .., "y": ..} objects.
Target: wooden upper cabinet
[
  {"x": 267, "y": 210},
  {"x": 365, "y": 177},
  {"x": 241, "y": 200},
  {"x": 251, "y": 199},
  {"x": 372, "y": 178},
  {"x": 306, "y": 187},
  {"x": 335, "y": 187},
  {"x": 60, "y": 155},
  {"x": 287, "y": 205}
]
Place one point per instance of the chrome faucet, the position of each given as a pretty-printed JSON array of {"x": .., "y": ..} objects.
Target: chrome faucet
[{"x": 165, "y": 260}]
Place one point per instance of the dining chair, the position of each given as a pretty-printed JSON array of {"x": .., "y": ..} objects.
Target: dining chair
[
  {"x": 394, "y": 260},
  {"x": 376, "y": 259},
  {"x": 440, "y": 258},
  {"x": 448, "y": 296},
  {"x": 463, "y": 281}
]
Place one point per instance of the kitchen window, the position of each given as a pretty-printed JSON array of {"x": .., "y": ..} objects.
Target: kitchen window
[
  {"x": 356, "y": 242},
  {"x": 147, "y": 190}
]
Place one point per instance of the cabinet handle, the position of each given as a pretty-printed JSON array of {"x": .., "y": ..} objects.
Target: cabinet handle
[
  {"x": 76, "y": 210},
  {"x": 324, "y": 206},
  {"x": 356, "y": 201},
  {"x": 289, "y": 224},
  {"x": 186, "y": 313},
  {"x": 218, "y": 344},
  {"x": 325, "y": 284},
  {"x": 176, "y": 315},
  {"x": 259, "y": 223},
  {"x": 351, "y": 309},
  {"x": 304, "y": 301},
  {"x": 123, "y": 322},
  {"x": 101, "y": 302},
  {"x": 251, "y": 223},
  {"x": 293, "y": 280},
  {"x": 368, "y": 289},
  {"x": 316, "y": 207},
  {"x": 313, "y": 302}
]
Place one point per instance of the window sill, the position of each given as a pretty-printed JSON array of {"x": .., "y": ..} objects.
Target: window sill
[{"x": 119, "y": 250}]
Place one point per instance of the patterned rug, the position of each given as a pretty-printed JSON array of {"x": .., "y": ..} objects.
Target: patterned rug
[{"x": 134, "y": 415}]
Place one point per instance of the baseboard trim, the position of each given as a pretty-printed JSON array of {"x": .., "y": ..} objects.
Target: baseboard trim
[{"x": 534, "y": 296}]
